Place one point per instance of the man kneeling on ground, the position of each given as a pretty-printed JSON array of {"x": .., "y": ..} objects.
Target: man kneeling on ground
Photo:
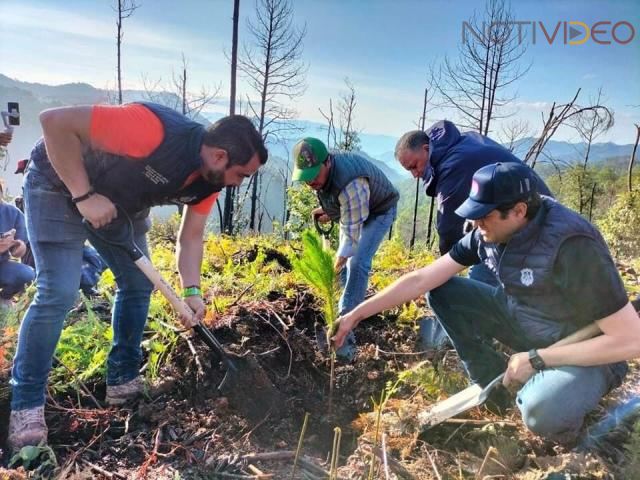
[{"x": 555, "y": 274}]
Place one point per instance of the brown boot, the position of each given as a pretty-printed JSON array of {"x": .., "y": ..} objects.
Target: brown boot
[
  {"x": 121, "y": 394},
  {"x": 27, "y": 427}
]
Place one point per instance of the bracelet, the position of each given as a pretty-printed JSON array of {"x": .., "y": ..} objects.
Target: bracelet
[
  {"x": 191, "y": 291},
  {"x": 82, "y": 198}
]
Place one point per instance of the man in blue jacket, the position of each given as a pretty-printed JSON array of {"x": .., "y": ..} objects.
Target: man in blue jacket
[{"x": 446, "y": 160}]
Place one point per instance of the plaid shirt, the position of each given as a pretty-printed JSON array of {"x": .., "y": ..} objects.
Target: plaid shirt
[{"x": 354, "y": 210}]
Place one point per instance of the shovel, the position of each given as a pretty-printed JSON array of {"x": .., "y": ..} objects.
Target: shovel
[
  {"x": 324, "y": 232},
  {"x": 476, "y": 395},
  {"x": 247, "y": 386}
]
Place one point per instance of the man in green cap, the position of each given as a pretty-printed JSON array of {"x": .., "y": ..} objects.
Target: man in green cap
[{"x": 358, "y": 195}]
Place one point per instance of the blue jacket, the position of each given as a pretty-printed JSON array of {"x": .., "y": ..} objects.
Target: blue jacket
[{"x": 453, "y": 159}]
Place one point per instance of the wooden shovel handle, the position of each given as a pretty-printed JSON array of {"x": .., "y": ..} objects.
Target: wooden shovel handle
[{"x": 161, "y": 284}]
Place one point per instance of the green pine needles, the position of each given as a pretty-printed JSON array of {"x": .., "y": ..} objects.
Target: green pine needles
[{"x": 315, "y": 267}]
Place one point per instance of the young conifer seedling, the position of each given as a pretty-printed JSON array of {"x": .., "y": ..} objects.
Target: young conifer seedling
[{"x": 315, "y": 267}]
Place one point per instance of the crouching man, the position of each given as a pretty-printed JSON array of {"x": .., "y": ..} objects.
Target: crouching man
[
  {"x": 555, "y": 275},
  {"x": 353, "y": 191}
]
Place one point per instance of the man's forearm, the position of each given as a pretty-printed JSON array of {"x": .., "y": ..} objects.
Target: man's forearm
[
  {"x": 189, "y": 253},
  {"x": 409, "y": 287},
  {"x": 600, "y": 350},
  {"x": 620, "y": 341}
]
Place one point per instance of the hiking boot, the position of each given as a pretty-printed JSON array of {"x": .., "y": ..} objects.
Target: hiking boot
[
  {"x": 431, "y": 335},
  {"x": 27, "y": 427},
  {"x": 121, "y": 394}
]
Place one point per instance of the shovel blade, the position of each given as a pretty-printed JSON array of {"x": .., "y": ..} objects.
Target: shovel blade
[{"x": 460, "y": 402}]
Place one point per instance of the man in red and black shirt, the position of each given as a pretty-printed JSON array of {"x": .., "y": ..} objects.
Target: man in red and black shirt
[{"x": 90, "y": 159}]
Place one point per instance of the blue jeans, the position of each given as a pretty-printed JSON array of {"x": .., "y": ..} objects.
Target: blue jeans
[
  {"x": 14, "y": 277},
  {"x": 57, "y": 238},
  {"x": 432, "y": 334},
  {"x": 355, "y": 276},
  {"x": 554, "y": 402}
]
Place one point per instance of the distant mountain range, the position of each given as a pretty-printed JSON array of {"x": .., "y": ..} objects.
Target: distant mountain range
[{"x": 35, "y": 97}]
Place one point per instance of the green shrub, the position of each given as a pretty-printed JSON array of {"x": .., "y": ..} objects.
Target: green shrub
[{"x": 621, "y": 225}]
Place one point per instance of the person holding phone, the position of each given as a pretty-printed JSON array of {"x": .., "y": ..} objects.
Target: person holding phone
[{"x": 14, "y": 276}]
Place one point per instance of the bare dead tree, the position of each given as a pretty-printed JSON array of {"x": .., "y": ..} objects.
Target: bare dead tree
[
  {"x": 589, "y": 125},
  {"x": 125, "y": 9},
  {"x": 489, "y": 62},
  {"x": 230, "y": 192},
  {"x": 331, "y": 126},
  {"x": 274, "y": 69},
  {"x": 349, "y": 134},
  {"x": 513, "y": 132},
  {"x": 559, "y": 115},
  {"x": 176, "y": 94},
  {"x": 592, "y": 123},
  {"x": 632, "y": 158}
]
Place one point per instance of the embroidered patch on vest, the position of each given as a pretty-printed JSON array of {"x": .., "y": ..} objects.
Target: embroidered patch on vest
[{"x": 526, "y": 276}]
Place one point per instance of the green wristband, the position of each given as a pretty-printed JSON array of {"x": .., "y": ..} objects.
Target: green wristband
[{"x": 191, "y": 292}]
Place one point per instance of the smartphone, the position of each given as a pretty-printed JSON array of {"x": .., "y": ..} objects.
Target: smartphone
[
  {"x": 14, "y": 113},
  {"x": 8, "y": 234}
]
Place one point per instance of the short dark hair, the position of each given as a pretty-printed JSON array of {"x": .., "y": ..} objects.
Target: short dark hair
[
  {"x": 533, "y": 205},
  {"x": 412, "y": 140},
  {"x": 237, "y": 136}
]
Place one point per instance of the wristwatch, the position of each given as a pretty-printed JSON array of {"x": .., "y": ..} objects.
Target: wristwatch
[{"x": 536, "y": 360}]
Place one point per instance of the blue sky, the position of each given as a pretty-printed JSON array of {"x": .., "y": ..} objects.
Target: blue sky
[{"x": 383, "y": 46}]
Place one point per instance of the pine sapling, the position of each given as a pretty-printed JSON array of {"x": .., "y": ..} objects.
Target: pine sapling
[{"x": 315, "y": 267}]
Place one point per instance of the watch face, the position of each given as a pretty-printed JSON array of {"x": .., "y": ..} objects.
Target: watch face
[{"x": 535, "y": 360}]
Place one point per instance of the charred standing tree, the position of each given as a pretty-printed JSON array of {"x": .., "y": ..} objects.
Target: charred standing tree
[
  {"x": 489, "y": 61},
  {"x": 423, "y": 119},
  {"x": 275, "y": 71},
  {"x": 124, "y": 9},
  {"x": 632, "y": 158},
  {"x": 230, "y": 192}
]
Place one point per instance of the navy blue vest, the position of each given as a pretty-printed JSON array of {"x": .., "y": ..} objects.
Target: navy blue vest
[
  {"x": 525, "y": 271},
  {"x": 137, "y": 184},
  {"x": 346, "y": 167}
]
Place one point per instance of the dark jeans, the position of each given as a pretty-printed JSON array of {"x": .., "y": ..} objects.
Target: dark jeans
[
  {"x": 553, "y": 402},
  {"x": 57, "y": 238}
]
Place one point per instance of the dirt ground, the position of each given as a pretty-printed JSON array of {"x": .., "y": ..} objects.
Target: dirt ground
[{"x": 188, "y": 429}]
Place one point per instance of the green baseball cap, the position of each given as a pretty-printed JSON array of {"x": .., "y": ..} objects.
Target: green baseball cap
[{"x": 308, "y": 156}]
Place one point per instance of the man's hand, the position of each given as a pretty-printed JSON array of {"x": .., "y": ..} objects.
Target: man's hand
[
  {"x": 342, "y": 327},
  {"x": 18, "y": 249},
  {"x": 196, "y": 304},
  {"x": 519, "y": 370},
  {"x": 7, "y": 240},
  {"x": 339, "y": 264},
  {"x": 5, "y": 138},
  {"x": 318, "y": 213},
  {"x": 98, "y": 210}
]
